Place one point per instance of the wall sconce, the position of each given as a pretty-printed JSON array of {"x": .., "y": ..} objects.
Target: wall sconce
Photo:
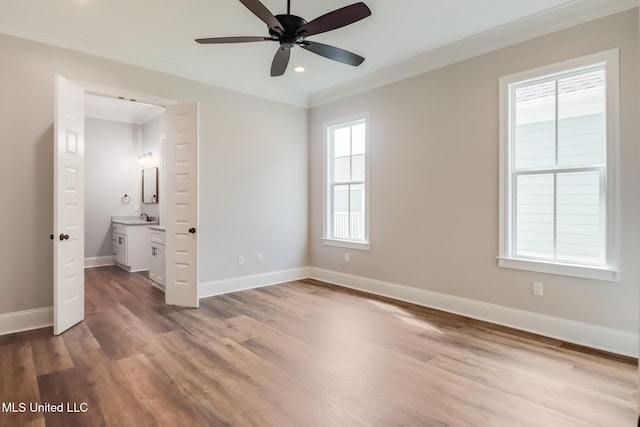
[{"x": 145, "y": 158}]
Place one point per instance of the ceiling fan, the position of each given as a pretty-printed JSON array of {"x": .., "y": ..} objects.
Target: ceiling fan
[{"x": 291, "y": 30}]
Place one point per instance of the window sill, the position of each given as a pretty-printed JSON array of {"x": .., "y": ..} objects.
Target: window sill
[
  {"x": 574, "y": 270},
  {"x": 363, "y": 246}
]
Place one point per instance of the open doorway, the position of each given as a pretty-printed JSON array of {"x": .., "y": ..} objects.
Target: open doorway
[
  {"x": 124, "y": 185},
  {"x": 181, "y": 201}
]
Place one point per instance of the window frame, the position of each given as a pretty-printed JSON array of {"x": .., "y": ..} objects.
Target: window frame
[
  {"x": 328, "y": 184},
  {"x": 507, "y": 257}
]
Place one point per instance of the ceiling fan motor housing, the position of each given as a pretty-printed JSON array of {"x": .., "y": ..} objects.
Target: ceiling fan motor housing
[{"x": 291, "y": 24}]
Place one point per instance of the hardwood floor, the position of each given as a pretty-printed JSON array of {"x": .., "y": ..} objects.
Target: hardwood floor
[{"x": 301, "y": 354}]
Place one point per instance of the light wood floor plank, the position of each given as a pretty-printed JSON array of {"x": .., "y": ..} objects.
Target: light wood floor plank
[
  {"x": 302, "y": 353},
  {"x": 50, "y": 355},
  {"x": 18, "y": 383}
]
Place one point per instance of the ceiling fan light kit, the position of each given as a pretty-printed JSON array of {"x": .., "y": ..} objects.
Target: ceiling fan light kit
[{"x": 291, "y": 30}]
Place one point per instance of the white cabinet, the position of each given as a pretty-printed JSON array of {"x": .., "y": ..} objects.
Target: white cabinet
[
  {"x": 120, "y": 248},
  {"x": 156, "y": 266},
  {"x": 131, "y": 246}
]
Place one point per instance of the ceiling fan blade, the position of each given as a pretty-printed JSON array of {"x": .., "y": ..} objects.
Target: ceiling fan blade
[
  {"x": 280, "y": 61},
  {"x": 332, "y": 52},
  {"x": 264, "y": 14},
  {"x": 233, "y": 40},
  {"x": 336, "y": 19}
]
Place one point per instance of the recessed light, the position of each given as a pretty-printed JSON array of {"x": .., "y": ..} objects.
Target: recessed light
[{"x": 298, "y": 69}]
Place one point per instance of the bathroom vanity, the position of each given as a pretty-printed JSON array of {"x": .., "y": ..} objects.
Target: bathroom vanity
[{"x": 131, "y": 238}]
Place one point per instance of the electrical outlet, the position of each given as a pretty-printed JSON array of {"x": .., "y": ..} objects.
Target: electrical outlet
[
  {"x": 538, "y": 289},
  {"x": 240, "y": 260},
  {"x": 259, "y": 257},
  {"x": 346, "y": 257}
]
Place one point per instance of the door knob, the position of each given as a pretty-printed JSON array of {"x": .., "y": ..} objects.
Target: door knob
[
  {"x": 64, "y": 237},
  {"x": 192, "y": 230},
  {"x": 51, "y": 236}
]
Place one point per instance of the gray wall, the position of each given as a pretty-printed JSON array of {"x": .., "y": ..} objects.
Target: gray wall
[
  {"x": 434, "y": 175},
  {"x": 111, "y": 171},
  {"x": 253, "y": 169},
  {"x": 152, "y": 133},
  {"x": 434, "y": 182}
]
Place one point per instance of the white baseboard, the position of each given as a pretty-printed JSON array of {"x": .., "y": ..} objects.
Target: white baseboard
[
  {"x": 225, "y": 286},
  {"x": 26, "y": 320},
  {"x": 607, "y": 339},
  {"x": 594, "y": 336},
  {"x": 98, "y": 261}
]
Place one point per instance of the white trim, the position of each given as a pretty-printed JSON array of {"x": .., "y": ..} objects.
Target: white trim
[
  {"x": 594, "y": 336},
  {"x": 235, "y": 284},
  {"x": 327, "y": 167},
  {"x": 157, "y": 285},
  {"x": 610, "y": 57},
  {"x": 582, "y": 271},
  {"x": 506, "y": 252},
  {"x": 363, "y": 246},
  {"x": 111, "y": 92},
  {"x": 98, "y": 261},
  {"x": 565, "y": 16},
  {"x": 26, "y": 320},
  {"x": 19, "y": 26}
]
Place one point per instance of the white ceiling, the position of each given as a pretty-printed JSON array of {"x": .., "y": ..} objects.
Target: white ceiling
[{"x": 159, "y": 35}]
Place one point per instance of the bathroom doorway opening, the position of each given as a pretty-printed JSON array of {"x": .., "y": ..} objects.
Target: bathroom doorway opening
[
  {"x": 74, "y": 170},
  {"x": 124, "y": 155}
]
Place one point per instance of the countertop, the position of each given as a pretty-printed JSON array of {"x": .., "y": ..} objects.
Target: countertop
[{"x": 132, "y": 220}]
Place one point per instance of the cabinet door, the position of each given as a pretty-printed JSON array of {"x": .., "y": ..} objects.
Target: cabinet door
[
  {"x": 138, "y": 247},
  {"x": 120, "y": 249},
  {"x": 115, "y": 246},
  {"x": 160, "y": 256},
  {"x": 156, "y": 270},
  {"x": 153, "y": 263}
]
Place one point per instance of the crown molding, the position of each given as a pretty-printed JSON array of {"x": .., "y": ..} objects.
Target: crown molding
[
  {"x": 17, "y": 26},
  {"x": 568, "y": 15},
  {"x": 561, "y": 17}
]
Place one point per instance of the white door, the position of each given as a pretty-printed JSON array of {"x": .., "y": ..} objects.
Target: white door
[
  {"x": 68, "y": 209},
  {"x": 181, "y": 206}
]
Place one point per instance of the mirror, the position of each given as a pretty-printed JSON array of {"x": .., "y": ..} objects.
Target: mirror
[{"x": 150, "y": 185}]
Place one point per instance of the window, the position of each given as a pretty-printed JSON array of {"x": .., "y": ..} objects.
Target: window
[
  {"x": 558, "y": 178},
  {"x": 346, "y": 184}
]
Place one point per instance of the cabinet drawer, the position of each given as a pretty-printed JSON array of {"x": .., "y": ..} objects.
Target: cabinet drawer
[
  {"x": 157, "y": 237},
  {"x": 119, "y": 228}
]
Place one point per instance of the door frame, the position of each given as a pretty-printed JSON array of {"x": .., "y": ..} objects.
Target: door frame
[
  {"x": 95, "y": 89},
  {"x": 100, "y": 90}
]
